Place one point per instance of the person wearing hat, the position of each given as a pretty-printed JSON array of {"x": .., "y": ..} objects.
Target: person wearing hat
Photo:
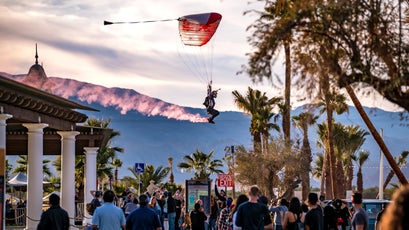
[{"x": 225, "y": 217}]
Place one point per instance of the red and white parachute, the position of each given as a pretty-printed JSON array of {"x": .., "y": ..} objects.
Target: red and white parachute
[
  {"x": 198, "y": 29},
  {"x": 195, "y": 30}
]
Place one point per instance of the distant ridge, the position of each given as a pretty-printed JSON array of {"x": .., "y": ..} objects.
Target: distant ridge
[
  {"x": 124, "y": 100},
  {"x": 153, "y": 130}
]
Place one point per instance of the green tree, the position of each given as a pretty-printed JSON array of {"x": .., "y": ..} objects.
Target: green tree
[
  {"x": 272, "y": 33},
  {"x": 355, "y": 138},
  {"x": 150, "y": 173},
  {"x": 116, "y": 163},
  {"x": 106, "y": 154},
  {"x": 330, "y": 102},
  {"x": 318, "y": 170},
  {"x": 201, "y": 164},
  {"x": 303, "y": 121},
  {"x": 360, "y": 160},
  {"x": 260, "y": 108},
  {"x": 278, "y": 168},
  {"x": 22, "y": 164}
]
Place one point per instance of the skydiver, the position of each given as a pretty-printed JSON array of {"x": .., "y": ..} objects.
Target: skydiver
[{"x": 210, "y": 103}]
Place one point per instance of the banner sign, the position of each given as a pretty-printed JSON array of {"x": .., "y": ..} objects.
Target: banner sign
[{"x": 225, "y": 180}]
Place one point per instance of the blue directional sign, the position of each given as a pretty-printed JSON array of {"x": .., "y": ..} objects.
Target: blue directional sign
[{"x": 139, "y": 167}]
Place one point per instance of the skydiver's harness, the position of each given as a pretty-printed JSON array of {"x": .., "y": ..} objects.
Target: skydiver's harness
[{"x": 208, "y": 101}]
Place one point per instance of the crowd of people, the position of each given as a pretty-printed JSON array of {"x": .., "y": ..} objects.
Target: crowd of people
[{"x": 251, "y": 211}]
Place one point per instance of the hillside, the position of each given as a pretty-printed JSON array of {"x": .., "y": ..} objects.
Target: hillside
[{"x": 153, "y": 130}]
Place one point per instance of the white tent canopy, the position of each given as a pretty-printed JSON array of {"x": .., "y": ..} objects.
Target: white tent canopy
[{"x": 20, "y": 179}]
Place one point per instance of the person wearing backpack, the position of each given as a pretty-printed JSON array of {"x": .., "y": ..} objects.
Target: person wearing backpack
[{"x": 294, "y": 217}]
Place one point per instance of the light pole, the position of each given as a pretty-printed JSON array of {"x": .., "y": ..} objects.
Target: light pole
[{"x": 230, "y": 152}]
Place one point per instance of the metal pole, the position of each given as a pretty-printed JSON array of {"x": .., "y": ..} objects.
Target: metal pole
[
  {"x": 381, "y": 170},
  {"x": 139, "y": 184}
]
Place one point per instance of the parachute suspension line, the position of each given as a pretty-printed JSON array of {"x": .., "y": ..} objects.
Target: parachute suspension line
[
  {"x": 191, "y": 64},
  {"x": 163, "y": 20},
  {"x": 194, "y": 59}
]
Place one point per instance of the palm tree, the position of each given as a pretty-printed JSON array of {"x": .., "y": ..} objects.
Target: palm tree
[
  {"x": 116, "y": 163},
  {"x": 171, "y": 177},
  {"x": 262, "y": 123},
  {"x": 400, "y": 161},
  {"x": 317, "y": 171},
  {"x": 272, "y": 30},
  {"x": 355, "y": 138},
  {"x": 150, "y": 173},
  {"x": 259, "y": 107},
  {"x": 23, "y": 163},
  {"x": 362, "y": 157},
  {"x": 303, "y": 121},
  {"x": 331, "y": 102},
  {"x": 201, "y": 164},
  {"x": 106, "y": 154}
]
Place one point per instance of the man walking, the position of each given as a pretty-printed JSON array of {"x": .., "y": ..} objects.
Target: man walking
[
  {"x": 171, "y": 202},
  {"x": 108, "y": 216},
  {"x": 250, "y": 215},
  {"x": 143, "y": 218},
  {"x": 55, "y": 217},
  {"x": 360, "y": 219},
  {"x": 314, "y": 219}
]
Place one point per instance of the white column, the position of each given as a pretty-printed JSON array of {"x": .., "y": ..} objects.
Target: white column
[
  {"x": 35, "y": 174},
  {"x": 3, "y": 118},
  {"x": 68, "y": 172},
  {"x": 90, "y": 179}
]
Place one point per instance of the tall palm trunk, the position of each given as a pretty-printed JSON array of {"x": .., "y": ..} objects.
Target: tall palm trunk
[
  {"x": 402, "y": 179},
  {"x": 340, "y": 180},
  {"x": 287, "y": 93},
  {"x": 116, "y": 176},
  {"x": 257, "y": 142},
  {"x": 388, "y": 179},
  {"x": 331, "y": 155},
  {"x": 306, "y": 163},
  {"x": 359, "y": 181},
  {"x": 350, "y": 174}
]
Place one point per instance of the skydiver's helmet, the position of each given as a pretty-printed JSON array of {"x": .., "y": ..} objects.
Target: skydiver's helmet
[{"x": 214, "y": 93}]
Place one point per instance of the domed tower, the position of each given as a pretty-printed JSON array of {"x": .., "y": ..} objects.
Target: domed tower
[{"x": 36, "y": 77}]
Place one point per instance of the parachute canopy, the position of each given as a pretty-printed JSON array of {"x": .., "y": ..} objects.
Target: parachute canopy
[{"x": 198, "y": 29}]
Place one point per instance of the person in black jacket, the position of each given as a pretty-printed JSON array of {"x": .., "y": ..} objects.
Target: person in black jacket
[
  {"x": 197, "y": 218},
  {"x": 222, "y": 195},
  {"x": 171, "y": 203},
  {"x": 55, "y": 217}
]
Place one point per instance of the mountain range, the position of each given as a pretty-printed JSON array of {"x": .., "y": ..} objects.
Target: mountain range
[{"x": 153, "y": 130}]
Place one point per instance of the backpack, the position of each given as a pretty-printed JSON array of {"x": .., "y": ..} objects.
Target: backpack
[
  {"x": 298, "y": 224},
  {"x": 91, "y": 207}
]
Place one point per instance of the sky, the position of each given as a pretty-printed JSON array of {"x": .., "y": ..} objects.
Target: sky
[{"x": 147, "y": 57}]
